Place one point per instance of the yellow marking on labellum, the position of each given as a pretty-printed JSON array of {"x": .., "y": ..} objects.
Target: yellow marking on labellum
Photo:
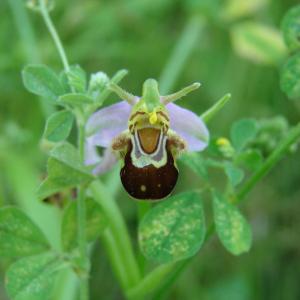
[
  {"x": 153, "y": 117},
  {"x": 149, "y": 138},
  {"x": 143, "y": 188}
]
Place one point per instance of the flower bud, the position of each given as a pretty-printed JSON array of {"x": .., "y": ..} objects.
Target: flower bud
[
  {"x": 97, "y": 83},
  {"x": 35, "y": 5},
  {"x": 225, "y": 147}
]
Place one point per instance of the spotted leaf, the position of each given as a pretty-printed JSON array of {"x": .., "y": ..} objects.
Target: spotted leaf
[
  {"x": 174, "y": 229},
  {"x": 232, "y": 228},
  {"x": 19, "y": 236},
  {"x": 32, "y": 277}
]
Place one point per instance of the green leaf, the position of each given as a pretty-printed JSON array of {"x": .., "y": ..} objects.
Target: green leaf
[
  {"x": 242, "y": 132},
  {"x": 63, "y": 78},
  {"x": 42, "y": 81},
  {"x": 290, "y": 77},
  {"x": 232, "y": 228},
  {"x": 291, "y": 28},
  {"x": 58, "y": 126},
  {"x": 32, "y": 277},
  {"x": 195, "y": 162},
  {"x": 234, "y": 174},
  {"x": 258, "y": 42},
  {"x": 19, "y": 236},
  {"x": 174, "y": 229},
  {"x": 96, "y": 222},
  {"x": 75, "y": 100},
  {"x": 68, "y": 155},
  {"x": 251, "y": 159},
  {"x": 236, "y": 9},
  {"x": 77, "y": 79},
  {"x": 64, "y": 171}
]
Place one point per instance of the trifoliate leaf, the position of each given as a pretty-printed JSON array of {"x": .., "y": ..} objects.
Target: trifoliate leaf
[
  {"x": 250, "y": 159},
  {"x": 174, "y": 229},
  {"x": 65, "y": 170},
  {"x": 75, "y": 100},
  {"x": 42, "y": 81},
  {"x": 77, "y": 79},
  {"x": 232, "y": 228},
  {"x": 58, "y": 126},
  {"x": 242, "y": 132},
  {"x": 32, "y": 277},
  {"x": 19, "y": 236},
  {"x": 234, "y": 174}
]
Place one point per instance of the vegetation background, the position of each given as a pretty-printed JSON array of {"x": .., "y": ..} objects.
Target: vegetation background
[{"x": 140, "y": 35}]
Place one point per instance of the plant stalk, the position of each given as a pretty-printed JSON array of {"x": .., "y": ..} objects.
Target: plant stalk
[
  {"x": 84, "y": 263},
  {"x": 55, "y": 36},
  {"x": 120, "y": 234}
]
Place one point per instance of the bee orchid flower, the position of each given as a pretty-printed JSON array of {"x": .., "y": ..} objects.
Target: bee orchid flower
[{"x": 147, "y": 134}]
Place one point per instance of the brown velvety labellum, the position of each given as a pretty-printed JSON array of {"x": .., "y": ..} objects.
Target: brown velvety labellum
[{"x": 149, "y": 183}]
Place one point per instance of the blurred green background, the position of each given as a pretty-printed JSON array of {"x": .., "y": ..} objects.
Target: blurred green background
[{"x": 140, "y": 35}]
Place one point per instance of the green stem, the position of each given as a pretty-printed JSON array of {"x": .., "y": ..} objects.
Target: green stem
[
  {"x": 292, "y": 137},
  {"x": 81, "y": 220},
  {"x": 184, "y": 47},
  {"x": 145, "y": 287},
  {"x": 54, "y": 35},
  {"x": 143, "y": 207},
  {"x": 113, "y": 252},
  {"x": 119, "y": 231}
]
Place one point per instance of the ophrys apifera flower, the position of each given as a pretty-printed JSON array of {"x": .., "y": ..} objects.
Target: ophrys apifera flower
[{"x": 147, "y": 133}]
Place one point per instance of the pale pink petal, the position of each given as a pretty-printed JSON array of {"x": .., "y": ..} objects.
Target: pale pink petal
[
  {"x": 189, "y": 126},
  {"x": 108, "y": 160},
  {"x": 90, "y": 153},
  {"x": 107, "y": 123}
]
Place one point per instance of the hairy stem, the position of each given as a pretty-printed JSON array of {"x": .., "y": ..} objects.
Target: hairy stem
[{"x": 54, "y": 35}]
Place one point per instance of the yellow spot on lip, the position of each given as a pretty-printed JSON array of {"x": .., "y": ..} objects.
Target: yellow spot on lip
[
  {"x": 152, "y": 117},
  {"x": 143, "y": 188}
]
